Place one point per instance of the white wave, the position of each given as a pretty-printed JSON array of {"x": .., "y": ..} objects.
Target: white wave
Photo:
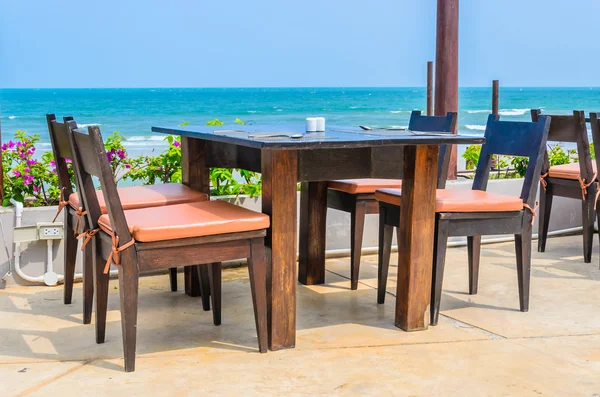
[
  {"x": 475, "y": 127},
  {"x": 12, "y": 117},
  {"x": 144, "y": 143},
  {"x": 252, "y": 111},
  {"x": 87, "y": 125},
  {"x": 479, "y": 111},
  {"x": 145, "y": 138},
  {"x": 353, "y": 107},
  {"x": 513, "y": 112},
  {"x": 400, "y": 111},
  {"x": 280, "y": 110}
]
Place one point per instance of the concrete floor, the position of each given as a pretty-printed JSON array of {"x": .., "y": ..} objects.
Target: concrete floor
[{"x": 346, "y": 344}]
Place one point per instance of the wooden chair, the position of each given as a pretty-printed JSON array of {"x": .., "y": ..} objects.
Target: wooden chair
[
  {"x": 595, "y": 123},
  {"x": 357, "y": 196},
  {"x": 199, "y": 233},
  {"x": 576, "y": 180},
  {"x": 132, "y": 197},
  {"x": 476, "y": 212}
]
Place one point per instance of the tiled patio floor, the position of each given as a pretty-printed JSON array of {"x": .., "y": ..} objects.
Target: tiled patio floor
[{"x": 346, "y": 345}]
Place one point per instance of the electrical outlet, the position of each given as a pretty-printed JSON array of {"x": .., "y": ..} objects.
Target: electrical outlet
[{"x": 50, "y": 231}]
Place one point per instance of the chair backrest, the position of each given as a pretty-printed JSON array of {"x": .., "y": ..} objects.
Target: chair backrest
[
  {"x": 510, "y": 138},
  {"x": 445, "y": 123},
  {"x": 571, "y": 129},
  {"x": 61, "y": 148},
  {"x": 595, "y": 123},
  {"x": 89, "y": 159}
]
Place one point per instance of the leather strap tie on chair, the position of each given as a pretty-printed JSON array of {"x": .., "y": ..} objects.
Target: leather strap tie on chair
[
  {"x": 114, "y": 253},
  {"x": 79, "y": 213},
  {"x": 88, "y": 236},
  {"x": 584, "y": 185},
  {"x": 543, "y": 180},
  {"x": 597, "y": 197},
  {"x": 532, "y": 210},
  {"x": 61, "y": 204}
]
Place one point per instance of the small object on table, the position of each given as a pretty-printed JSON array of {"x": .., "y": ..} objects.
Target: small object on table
[
  {"x": 311, "y": 124},
  {"x": 320, "y": 124}
]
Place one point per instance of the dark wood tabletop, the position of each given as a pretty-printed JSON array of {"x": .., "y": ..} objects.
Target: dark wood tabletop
[{"x": 258, "y": 136}]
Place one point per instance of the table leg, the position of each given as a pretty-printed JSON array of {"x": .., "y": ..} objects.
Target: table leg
[
  {"x": 279, "y": 201},
  {"x": 416, "y": 233},
  {"x": 195, "y": 175},
  {"x": 313, "y": 226}
]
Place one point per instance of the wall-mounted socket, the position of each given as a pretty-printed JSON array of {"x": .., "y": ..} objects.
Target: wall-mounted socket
[{"x": 50, "y": 231}]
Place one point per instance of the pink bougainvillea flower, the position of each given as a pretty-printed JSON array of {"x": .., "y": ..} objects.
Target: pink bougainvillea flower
[
  {"x": 27, "y": 170},
  {"x": 4, "y": 147},
  {"x": 121, "y": 154},
  {"x": 22, "y": 155},
  {"x": 31, "y": 162},
  {"x": 31, "y": 150},
  {"x": 11, "y": 144},
  {"x": 37, "y": 188},
  {"x": 28, "y": 179},
  {"x": 67, "y": 160},
  {"x": 176, "y": 143},
  {"x": 16, "y": 173},
  {"x": 110, "y": 155},
  {"x": 52, "y": 163},
  {"x": 128, "y": 166}
]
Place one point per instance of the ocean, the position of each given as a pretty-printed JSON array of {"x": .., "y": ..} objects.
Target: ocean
[{"x": 133, "y": 111}]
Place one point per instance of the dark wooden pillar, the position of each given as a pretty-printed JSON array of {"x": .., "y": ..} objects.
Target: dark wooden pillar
[
  {"x": 430, "y": 88},
  {"x": 446, "y": 65},
  {"x": 495, "y": 96}
]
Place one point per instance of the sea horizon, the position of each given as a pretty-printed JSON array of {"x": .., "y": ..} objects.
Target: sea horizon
[{"x": 133, "y": 111}]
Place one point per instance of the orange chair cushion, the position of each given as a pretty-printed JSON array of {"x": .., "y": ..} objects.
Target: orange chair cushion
[
  {"x": 148, "y": 196},
  {"x": 567, "y": 171},
  {"x": 357, "y": 186},
  {"x": 448, "y": 200},
  {"x": 205, "y": 218}
]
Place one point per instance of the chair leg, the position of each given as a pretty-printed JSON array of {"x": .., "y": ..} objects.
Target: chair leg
[
  {"x": 214, "y": 275},
  {"x": 128, "y": 290},
  {"x": 101, "y": 281},
  {"x": 523, "y": 251},
  {"x": 544, "y": 216},
  {"x": 587, "y": 211},
  {"x": 88, "y": 283},
  {"x": 386, "y": 233},
  {"x": 258, "y": 284},
  {"x": 70, "y": 253},
  {"x": 439, "y": 260},
  {"x": 357, "y": 225},
  {"x": 474, "y": 247},
  {"x": 204, "y": 287},
  {"x": 173, "y": 278}
]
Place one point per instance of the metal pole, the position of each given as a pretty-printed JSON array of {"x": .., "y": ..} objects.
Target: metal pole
[
  {"x": 430, "y": 88},
  {"x": 446, "y": 65}
]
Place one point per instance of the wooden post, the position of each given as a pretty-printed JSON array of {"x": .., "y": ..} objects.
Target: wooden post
[
  {"x": 446, "y": 65},
  {"x": 430, "y": 88},
  {"x": 495, "y": 96}
]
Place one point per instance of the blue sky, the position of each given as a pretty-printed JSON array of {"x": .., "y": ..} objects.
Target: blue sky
[{"x": 264, "y": 43}]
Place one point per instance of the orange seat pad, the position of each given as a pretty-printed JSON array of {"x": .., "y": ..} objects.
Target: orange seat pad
[
  {"x": 148, "y": 196},
  {"x": 197, "y": 219},
  {"x": 449, "y": 200},
  {"x": 357, "y": 186},
  {"x": 567, "y": 171}
]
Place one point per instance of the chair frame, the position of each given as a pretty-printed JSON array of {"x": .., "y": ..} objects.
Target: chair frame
[
  {"x": 206, "y": 251},
  {"x": 362, "y": 204},
  {"x": 572, "y": 129},
  {"x": 61, "y": 148},
  {"x": 502, "y": 138},
  {"x": 595, "y": 124}
]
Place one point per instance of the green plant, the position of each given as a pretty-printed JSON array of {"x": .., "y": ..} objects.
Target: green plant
[
  {"x": 471, "y": 155},
  {"x": 557, "y": 156},
  {"x": 164, "y": 168},
  {"x": 520, "y": 165},
  {"x": 33, "y": 182},
  {"x": 592, "y": 151}
]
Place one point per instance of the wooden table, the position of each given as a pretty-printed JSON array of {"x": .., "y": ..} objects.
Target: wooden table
[{"x": 338, "y": 153}]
